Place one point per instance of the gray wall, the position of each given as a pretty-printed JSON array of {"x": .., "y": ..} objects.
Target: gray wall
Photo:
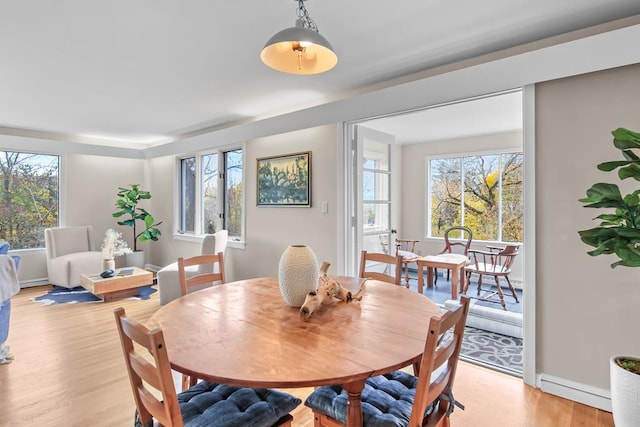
[{"x": 585, "y": 311}]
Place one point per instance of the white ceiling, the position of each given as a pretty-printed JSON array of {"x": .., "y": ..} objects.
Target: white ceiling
[
  {"x": 482, "y": 116},
  {"x": 145, "y": 73}
]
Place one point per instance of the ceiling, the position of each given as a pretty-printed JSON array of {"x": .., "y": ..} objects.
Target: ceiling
[
  {"x": 147, "y": 73},
  {"x": 474, "y": 117}
]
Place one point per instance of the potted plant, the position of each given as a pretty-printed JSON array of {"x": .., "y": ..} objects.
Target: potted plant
[
  {"x": 619, "y": 233},
  {"x": 127, "y": 203}
]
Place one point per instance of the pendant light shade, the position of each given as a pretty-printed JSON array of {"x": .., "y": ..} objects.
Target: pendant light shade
[{"x": 300, "y": 49}]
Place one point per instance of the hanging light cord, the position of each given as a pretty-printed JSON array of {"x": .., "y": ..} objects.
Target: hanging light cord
[{"x": 304, "y": 16}]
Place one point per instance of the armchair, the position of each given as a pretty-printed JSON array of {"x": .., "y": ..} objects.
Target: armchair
[
  {"x": 494, "y": 262},
  {"x": 70, "y": 253},
  {"x": 168, "y": 277}
]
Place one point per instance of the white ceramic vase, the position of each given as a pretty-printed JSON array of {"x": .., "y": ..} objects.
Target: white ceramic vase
[
  {"x": 298, "y": 273},
  {"x": 625, "y": 394},
  {"x": 108, "y": 264}
]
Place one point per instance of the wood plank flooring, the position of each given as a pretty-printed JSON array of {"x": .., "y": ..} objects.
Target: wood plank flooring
[{"x": 69, "y": 371}]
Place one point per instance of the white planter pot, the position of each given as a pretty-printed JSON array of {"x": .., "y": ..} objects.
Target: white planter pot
[
  {"x": 108, "y": 264},
  {"x": 298, "y": 274},
  {"x": 135, "y": 259},
  {"x": 625, "y": 394}
]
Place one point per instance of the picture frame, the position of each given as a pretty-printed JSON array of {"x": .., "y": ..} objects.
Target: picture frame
[{"x": 284, "y": 180}]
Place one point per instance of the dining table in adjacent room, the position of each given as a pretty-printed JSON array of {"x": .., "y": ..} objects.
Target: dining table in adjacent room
[{"x": 244, "y": 334}]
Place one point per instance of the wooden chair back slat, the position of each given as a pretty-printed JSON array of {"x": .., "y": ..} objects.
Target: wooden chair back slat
[
  {"x": 390, "y": 261},
  {"x": 442, "y": 350},
  {"x": 200, "y": 279},
  {"x": 145, "y": 374},
  {"x": 461, "y": 245}
]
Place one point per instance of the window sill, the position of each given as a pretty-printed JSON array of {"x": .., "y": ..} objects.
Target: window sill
[{"x": 195, "y": 238}]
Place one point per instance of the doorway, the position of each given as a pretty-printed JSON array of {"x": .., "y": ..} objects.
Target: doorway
[{"x": 405, "y": 142}]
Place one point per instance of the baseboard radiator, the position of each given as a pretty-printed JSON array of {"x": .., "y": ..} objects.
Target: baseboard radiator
[{"x": 581, "y": 393}]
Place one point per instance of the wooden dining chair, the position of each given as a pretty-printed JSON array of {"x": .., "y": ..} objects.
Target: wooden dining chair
[
  {"x": 204, "y": 404},
  {"x": 371, "y": 264},
  {"x": 407, "y": 250},
  {"x": 210, "y": 269},
  {"x": 461, "y": 245},
  {"x": 399, "y": 398},
  {"x": 496, "y": 262}
]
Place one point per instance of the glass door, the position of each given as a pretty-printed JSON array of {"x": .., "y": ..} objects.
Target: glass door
[{"x": 373, "y": 213}]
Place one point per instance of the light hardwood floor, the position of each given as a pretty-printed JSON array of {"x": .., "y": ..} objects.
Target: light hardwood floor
[{"x": 69, "y": 371}]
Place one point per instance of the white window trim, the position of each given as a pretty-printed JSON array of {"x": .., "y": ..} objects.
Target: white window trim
[
  {"x": 427, "y": 181},
  {"x": 198, "y": 233}
]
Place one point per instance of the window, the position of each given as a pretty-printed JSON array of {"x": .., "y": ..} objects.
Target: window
[
  {"x": 205, "y": 209},
  {"x": 28, "y": 198},
  {"x": 481, "y": 192},
  {"x": 376, "y": 201}
]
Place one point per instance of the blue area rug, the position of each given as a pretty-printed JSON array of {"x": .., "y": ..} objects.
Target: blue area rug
[{"x": 61, "y": 295}]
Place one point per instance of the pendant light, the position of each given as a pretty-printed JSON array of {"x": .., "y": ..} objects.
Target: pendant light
[{"x": 300, "y": 49}]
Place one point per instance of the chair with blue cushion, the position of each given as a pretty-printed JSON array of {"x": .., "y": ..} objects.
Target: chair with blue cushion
[
  {"x": 4, "y": 250},
  {"x": 205, "y": 404},
  {"x": 9, "y": 286},
  {"x": 399, "y": 399}
]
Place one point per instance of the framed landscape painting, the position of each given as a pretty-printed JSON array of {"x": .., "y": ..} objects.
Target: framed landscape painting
[{"x": 285, "y": 180}]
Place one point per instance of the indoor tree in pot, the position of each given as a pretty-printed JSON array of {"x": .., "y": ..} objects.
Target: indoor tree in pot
[
  {"x": 127, "y": 203},
  {"x": 619, "y": 234}
]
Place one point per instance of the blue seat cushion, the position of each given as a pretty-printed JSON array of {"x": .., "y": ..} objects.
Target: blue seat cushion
[
  {"x": 387, "y": 400},
  {"x": 210, "y": 404}
]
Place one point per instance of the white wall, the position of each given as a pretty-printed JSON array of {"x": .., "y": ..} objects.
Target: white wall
[
  {"x": 414, "y": 186},
  {"x": 586, "y": 311},
  {"x": 89, "y": 187},
  {"x": 269, "y": 230}
]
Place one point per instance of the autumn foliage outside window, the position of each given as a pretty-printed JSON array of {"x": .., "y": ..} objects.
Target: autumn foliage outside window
[
  {"x": 28, "y": 198},
  {"x": 483, "y": 193}
]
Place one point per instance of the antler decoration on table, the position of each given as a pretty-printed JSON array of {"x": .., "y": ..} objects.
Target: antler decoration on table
[{"x": 329, "y": 292}]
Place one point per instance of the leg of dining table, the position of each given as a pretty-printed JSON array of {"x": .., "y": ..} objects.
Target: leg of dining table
[
  {"x": 354, "y": 408},
  {"x": 455, "y": 275},
  {"x": 420, "y": 276}
]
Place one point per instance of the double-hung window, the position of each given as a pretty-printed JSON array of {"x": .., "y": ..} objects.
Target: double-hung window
[
  {"x": 211, "y": 193},
  {"x": 28, "y": 197},
  {"x": 483, "y": 192}
]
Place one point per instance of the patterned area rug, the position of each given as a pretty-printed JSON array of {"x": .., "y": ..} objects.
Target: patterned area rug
[
  {"x": 494, "y": 350},
  {"x": 60, "y": 295}
]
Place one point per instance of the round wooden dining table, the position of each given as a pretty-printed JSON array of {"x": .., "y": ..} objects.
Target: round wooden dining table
[{"x": 244, "y": 334}]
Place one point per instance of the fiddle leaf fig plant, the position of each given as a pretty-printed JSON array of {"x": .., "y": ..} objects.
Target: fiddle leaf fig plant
[
  {"x": 128, "y": 205},
  {"x": 619, "y": 231}
]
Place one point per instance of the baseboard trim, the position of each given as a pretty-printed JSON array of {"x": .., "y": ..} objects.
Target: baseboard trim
[
  {"x": 33, "y": 283},
  {"x": 581, "y": 393}
]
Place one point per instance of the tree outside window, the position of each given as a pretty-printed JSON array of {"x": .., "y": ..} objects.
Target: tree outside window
[
  {"x": 483, "y": 193},
  {"x": 203, "y": 207},
  {"x": 28, "y": 197}
]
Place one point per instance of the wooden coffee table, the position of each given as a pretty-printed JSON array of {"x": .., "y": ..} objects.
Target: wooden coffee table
[{"x": 116, "y": 287}]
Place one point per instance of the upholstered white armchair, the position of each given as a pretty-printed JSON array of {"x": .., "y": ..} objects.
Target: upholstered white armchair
[
  {"x": 168, "y": 280},
  {"x": 70, "y": 252}
]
